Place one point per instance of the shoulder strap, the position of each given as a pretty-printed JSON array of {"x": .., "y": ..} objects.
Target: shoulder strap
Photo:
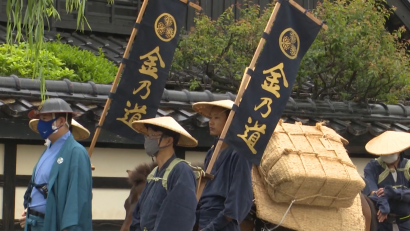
[
  {"x": 386, "y": 171},
  {"x": 197, "y": 170},
  {"x": 405, "y": 169},
  {"x": 168, "y": 170},
  {"x": 151, "y": 176}
]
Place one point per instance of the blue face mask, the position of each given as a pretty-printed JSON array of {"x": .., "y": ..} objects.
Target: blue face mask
[{"x": 45, "y": 128}]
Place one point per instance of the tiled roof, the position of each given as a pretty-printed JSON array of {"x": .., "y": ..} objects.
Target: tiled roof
[{"x": 19, "y": 95}]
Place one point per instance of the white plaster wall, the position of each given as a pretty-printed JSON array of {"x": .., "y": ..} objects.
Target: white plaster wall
[
  {"x": 195, "y": 157},
  {"x": 110, "y": 162},
  {"x": 27, "y": 157},
  {"x": 1, "y": 202},
  {"x": 18, "y": 205},
  {"x": 360, "y": 164},
  {"x": 108, "y": 204}
]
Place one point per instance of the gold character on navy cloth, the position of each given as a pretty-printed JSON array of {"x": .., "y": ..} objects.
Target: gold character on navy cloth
[
  {"x": 251, "y": 139},
  {"x": 265, "y": 101},
  {"x": 271, "y": 83},
  {"x": 150, "y": 64},
  {"x": 144, "y": 84},
  {"x": 133, "y": 114}
]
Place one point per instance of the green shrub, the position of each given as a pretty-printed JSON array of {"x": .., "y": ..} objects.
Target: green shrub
[
  {"x": 85, "y": 64},
  {"x": 13, "y": 60},
  {"x": 57, "y": 61}
]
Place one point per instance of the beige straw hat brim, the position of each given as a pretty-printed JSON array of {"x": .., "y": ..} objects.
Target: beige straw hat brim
[
  {"x": 389, "y": 142},
  {"x": 185, "y": 140},
  {"x": 79, "y": 132},
  {"x": 204, "y": 108}
]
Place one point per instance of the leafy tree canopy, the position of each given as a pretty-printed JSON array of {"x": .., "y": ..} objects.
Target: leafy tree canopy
[{"x": 355, "y": 59}]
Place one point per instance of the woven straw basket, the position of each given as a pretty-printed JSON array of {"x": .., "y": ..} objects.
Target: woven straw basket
[
  {"x": 305, "y": 217},
  {"x": 309, "y": 164}
]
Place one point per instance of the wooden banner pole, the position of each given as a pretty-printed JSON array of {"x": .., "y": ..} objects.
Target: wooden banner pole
[
  {"x": 119, "y": 72},
  {"x": 243, "y": 86},
  {"x": 244, "y": 83},
  {"x": 310, "y": 15},
  {"x": 116, "y": 80}
]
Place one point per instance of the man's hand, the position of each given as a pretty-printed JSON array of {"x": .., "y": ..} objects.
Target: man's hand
[
  {"x": 22, "y": 220},
  {"x": 380, "y": 192},
  {"x": 381, "y": 217}
]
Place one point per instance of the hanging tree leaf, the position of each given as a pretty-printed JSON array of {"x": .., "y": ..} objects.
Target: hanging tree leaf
[{"x": 31, "y": 22}]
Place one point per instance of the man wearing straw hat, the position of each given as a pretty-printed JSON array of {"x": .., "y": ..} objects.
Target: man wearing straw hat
[
  {"x": 227, "y": 199},
  {"x": 168, "y": 201},
  {"x": 388, "y": 180},
  {"x": 59, "y": 194}
]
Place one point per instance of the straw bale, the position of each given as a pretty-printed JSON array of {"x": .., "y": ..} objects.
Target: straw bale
[
  {"x": 311, "y": 165},
  {"x": 306, "y": 217}
]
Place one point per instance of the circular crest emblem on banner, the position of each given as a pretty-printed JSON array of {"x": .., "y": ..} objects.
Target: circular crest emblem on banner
[
  {"x": 165, "y": 27},
  {"x": 289, "y": 43}
]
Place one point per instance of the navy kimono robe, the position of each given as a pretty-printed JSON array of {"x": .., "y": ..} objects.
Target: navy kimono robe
[
  {"x": 229, "y": 194},
  {"x": 167, "y": 210},
  {"x": 396, "y": 199}
]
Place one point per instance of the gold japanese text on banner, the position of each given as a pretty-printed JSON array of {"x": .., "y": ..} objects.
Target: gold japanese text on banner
[
  {"x": 142, "y": 83},
  {"x": 271, "y": 82}
]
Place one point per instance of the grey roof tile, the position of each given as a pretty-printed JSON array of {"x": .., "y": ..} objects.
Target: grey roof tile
[{"x": 19, "y": 95}]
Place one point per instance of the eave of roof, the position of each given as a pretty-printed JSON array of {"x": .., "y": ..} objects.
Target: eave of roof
[{"x": 19, "y": 95}]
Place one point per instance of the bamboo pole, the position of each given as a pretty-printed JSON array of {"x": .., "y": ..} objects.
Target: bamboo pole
[
  {"x": 243, "y": 86},
  {"x": 119, "y": 72},
  {"x": 116, "y": 80},
  {"x": 310, "y": 15}
]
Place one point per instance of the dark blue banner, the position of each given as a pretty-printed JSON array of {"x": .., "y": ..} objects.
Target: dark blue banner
[
  {"x": 146, "y": 71},
  {"x": 272, "y": 81}
]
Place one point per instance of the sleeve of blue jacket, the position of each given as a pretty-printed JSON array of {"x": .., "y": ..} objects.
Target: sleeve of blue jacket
[
  {"x": 78, "y": 191},
  {"x": 370, "y": 176},
  {"x": 400, "y": 194},
  {"x": 177, "y": 212},
  {"x": 135, "y": 225},
  {"x": 238, "y": 203}
]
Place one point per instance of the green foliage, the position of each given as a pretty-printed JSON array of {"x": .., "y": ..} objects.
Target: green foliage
[
  {"x": 57, "y": 61},
  {"x": 223, "y": 47},
  {"x": 85, "y": 64},
  {"x": 30, "y": 19},
  {"x": 355, "y": 59},
  {"x": 13, "y": 60}
]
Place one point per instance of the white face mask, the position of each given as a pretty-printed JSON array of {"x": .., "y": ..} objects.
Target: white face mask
[
  {"x": 54, "y": 126},
  {"x": 389, "y": 159},
  {"x": 47, "y": 142}
]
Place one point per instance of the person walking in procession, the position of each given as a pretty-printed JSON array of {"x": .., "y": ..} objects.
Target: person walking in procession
[
  {"x": 168, "y": 201},
  {"x": 387, "y": 178},
  {"x": 60, "y": 191},
  {"x": 228, "y": 198}
]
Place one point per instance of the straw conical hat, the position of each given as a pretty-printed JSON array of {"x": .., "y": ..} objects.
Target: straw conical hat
[
  {"x": 185, "y": 140},
  {"x": 79, "y": 132},
  {"x": 204, "y": 108},
  {"x": 389, "y": 142}
]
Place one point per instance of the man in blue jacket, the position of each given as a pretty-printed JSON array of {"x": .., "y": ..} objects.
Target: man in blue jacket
[
  {"x": 388, "y": 179},
  {"x": 168, "y": 201},
  {"x": 228, "y": 198},
  {"x": 59, "y": 195}
]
